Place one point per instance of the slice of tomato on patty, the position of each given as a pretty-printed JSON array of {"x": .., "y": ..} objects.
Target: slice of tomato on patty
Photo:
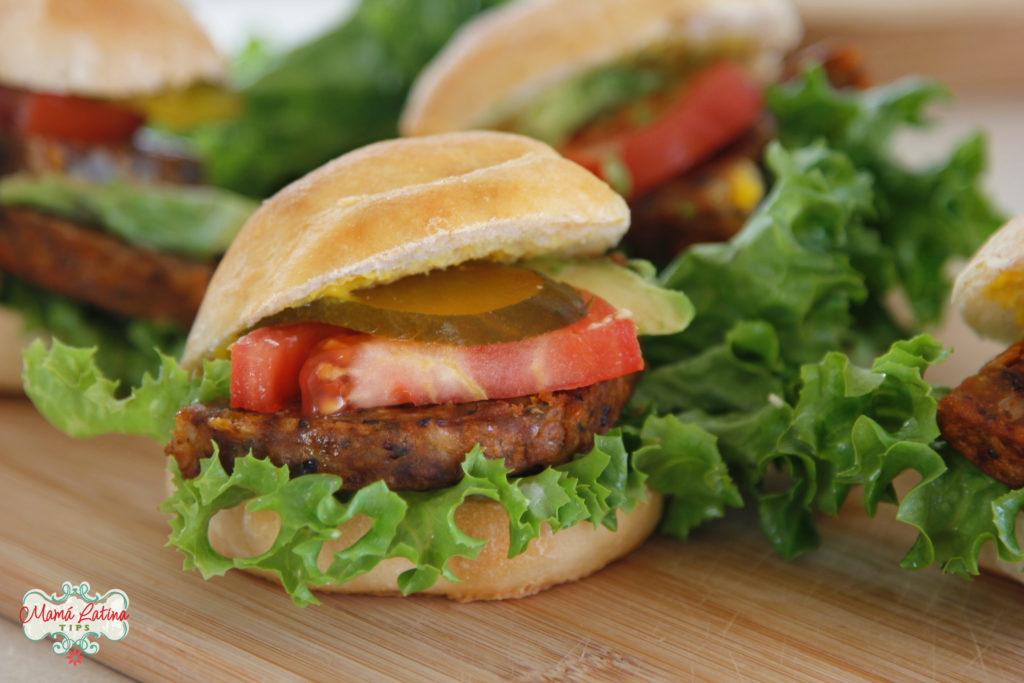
[
  {"x": 349, "y": 370},
  {"x": 681, "y": 129},
  {"x": 77, "y": 119},
  {"x": 265, "y": 364}
]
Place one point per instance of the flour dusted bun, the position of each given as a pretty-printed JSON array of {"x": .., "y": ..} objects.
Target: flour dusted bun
[
  {"x": 12, "y": 340},
  {"x": 990, "y": 290},
  {"x": 399, "y": 208},
  {"x": 550, "y": 559},
  {"x": 510, "y": 54},
  {"x": 103, "y": 48}
]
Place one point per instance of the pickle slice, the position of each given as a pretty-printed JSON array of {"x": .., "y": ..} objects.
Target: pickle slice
[{"x": 467, "y": 305}]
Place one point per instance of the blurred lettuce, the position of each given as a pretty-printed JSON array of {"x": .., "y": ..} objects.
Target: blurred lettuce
[
  {"x": 924, "y": 217},
  {"x": 126, "y": 348},
  {"x": 340, "y": 91},
  {"x": 195, "y": 221}
]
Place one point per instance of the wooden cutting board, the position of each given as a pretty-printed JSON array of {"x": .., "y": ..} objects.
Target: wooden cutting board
[{"x": 719, "y": 606}]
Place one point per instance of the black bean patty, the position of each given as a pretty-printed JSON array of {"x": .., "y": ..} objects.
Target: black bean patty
[
  {"x": 410, "y": 448},
  {"x": 983, "y": 418},
  {"x": 99, "y": 269}
]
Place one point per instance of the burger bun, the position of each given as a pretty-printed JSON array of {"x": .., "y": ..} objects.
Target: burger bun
[
  {"x": 989, "y": 291},
  {"x": 550, "y": 559},
  {"x": 104, "y": 48}
]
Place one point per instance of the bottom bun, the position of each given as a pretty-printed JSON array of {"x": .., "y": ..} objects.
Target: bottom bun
[
  {"x": 990, "y": 563},
  {"x": 550, "y": 559},
  {"x": 12, "y": 340}
]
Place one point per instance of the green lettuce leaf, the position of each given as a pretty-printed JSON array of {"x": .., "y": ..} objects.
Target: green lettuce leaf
[
  {"x": 792, "y": 309},
  {"x": 790, "y": 266},
  {"x": 958, "y": 512},
  {"x": 420, "y": 526},
  {"x": 923, "y": 216},
  {"x": 340, "y": 91},
  {"x": 72, "y": 392},
  {"x": 194, "y": 221}
]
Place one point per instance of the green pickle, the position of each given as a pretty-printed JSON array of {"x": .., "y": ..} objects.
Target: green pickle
[{"x": 471, "y": 304}]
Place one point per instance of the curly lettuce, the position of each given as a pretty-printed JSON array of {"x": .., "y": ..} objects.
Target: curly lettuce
[
  {"x": 794, "y": 362},
  {"x": 922, "y": 217},
  {"x": 420, "y": 526},
  {"x": 72, "y": 392}
]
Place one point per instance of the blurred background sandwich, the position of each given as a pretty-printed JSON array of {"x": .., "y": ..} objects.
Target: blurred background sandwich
[{"x": 105, "y": 237}]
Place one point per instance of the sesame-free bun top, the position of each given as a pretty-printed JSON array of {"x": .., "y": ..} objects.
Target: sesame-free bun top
[
  {"x": 509, "y": 54},
  {"x": 399, "y": 208},
  {"x": 989, "y": 291},
  {"x": 103, "y": 48}
]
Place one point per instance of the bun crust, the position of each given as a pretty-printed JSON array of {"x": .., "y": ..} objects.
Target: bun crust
[
  {"x": 990, "y": 289},
  {"x": 550, "y": 559},
  {"x": 403, "y": 207},
  {"x": 509, "y": 54},
  {"x": 103, "y": 48}
]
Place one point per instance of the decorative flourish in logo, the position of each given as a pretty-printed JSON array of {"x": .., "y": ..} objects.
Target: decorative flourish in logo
[{"x": 75, "y": 616}]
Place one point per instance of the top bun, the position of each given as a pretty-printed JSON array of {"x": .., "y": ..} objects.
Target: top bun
[
  {"x": 990, "y": 290},
  {"x": 399, "y": 208},
  {"x": 509, "y": 54},
  {"x": 103, "y": 48}
]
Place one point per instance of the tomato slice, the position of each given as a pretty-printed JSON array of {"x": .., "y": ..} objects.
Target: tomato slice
[
  {"x": 348, "y": 371},
  {"x": 265, "y": 365},
  {"x": 711, "y": 109},
  {"x": 76, "y": 118},
  {"x": 336, "y": 369}
]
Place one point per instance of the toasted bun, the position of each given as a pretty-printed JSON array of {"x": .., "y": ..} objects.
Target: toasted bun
[
  {"x": 990, "y": 290},
  {"x": 509, "y": 54},
  {"x": 399, "y": 208},
  {"x": 550, "y": 559},
  {"x": 12, "y": 340},
  {"x": 103, "y": 48}
]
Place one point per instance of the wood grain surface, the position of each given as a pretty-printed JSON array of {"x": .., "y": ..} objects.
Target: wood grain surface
[{"x": 718, "y": 606}]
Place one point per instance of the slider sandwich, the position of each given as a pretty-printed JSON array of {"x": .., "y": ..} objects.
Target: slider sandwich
[
  {"x": 661, "y": 98},
  {"x": 410, "y": 374},
  {"x": 101, "y": 242}
]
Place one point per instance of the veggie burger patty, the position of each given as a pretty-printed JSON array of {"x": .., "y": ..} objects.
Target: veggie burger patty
[
  {"x": 410, "y": 448},
  {"x": 99, "y": 269}
]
